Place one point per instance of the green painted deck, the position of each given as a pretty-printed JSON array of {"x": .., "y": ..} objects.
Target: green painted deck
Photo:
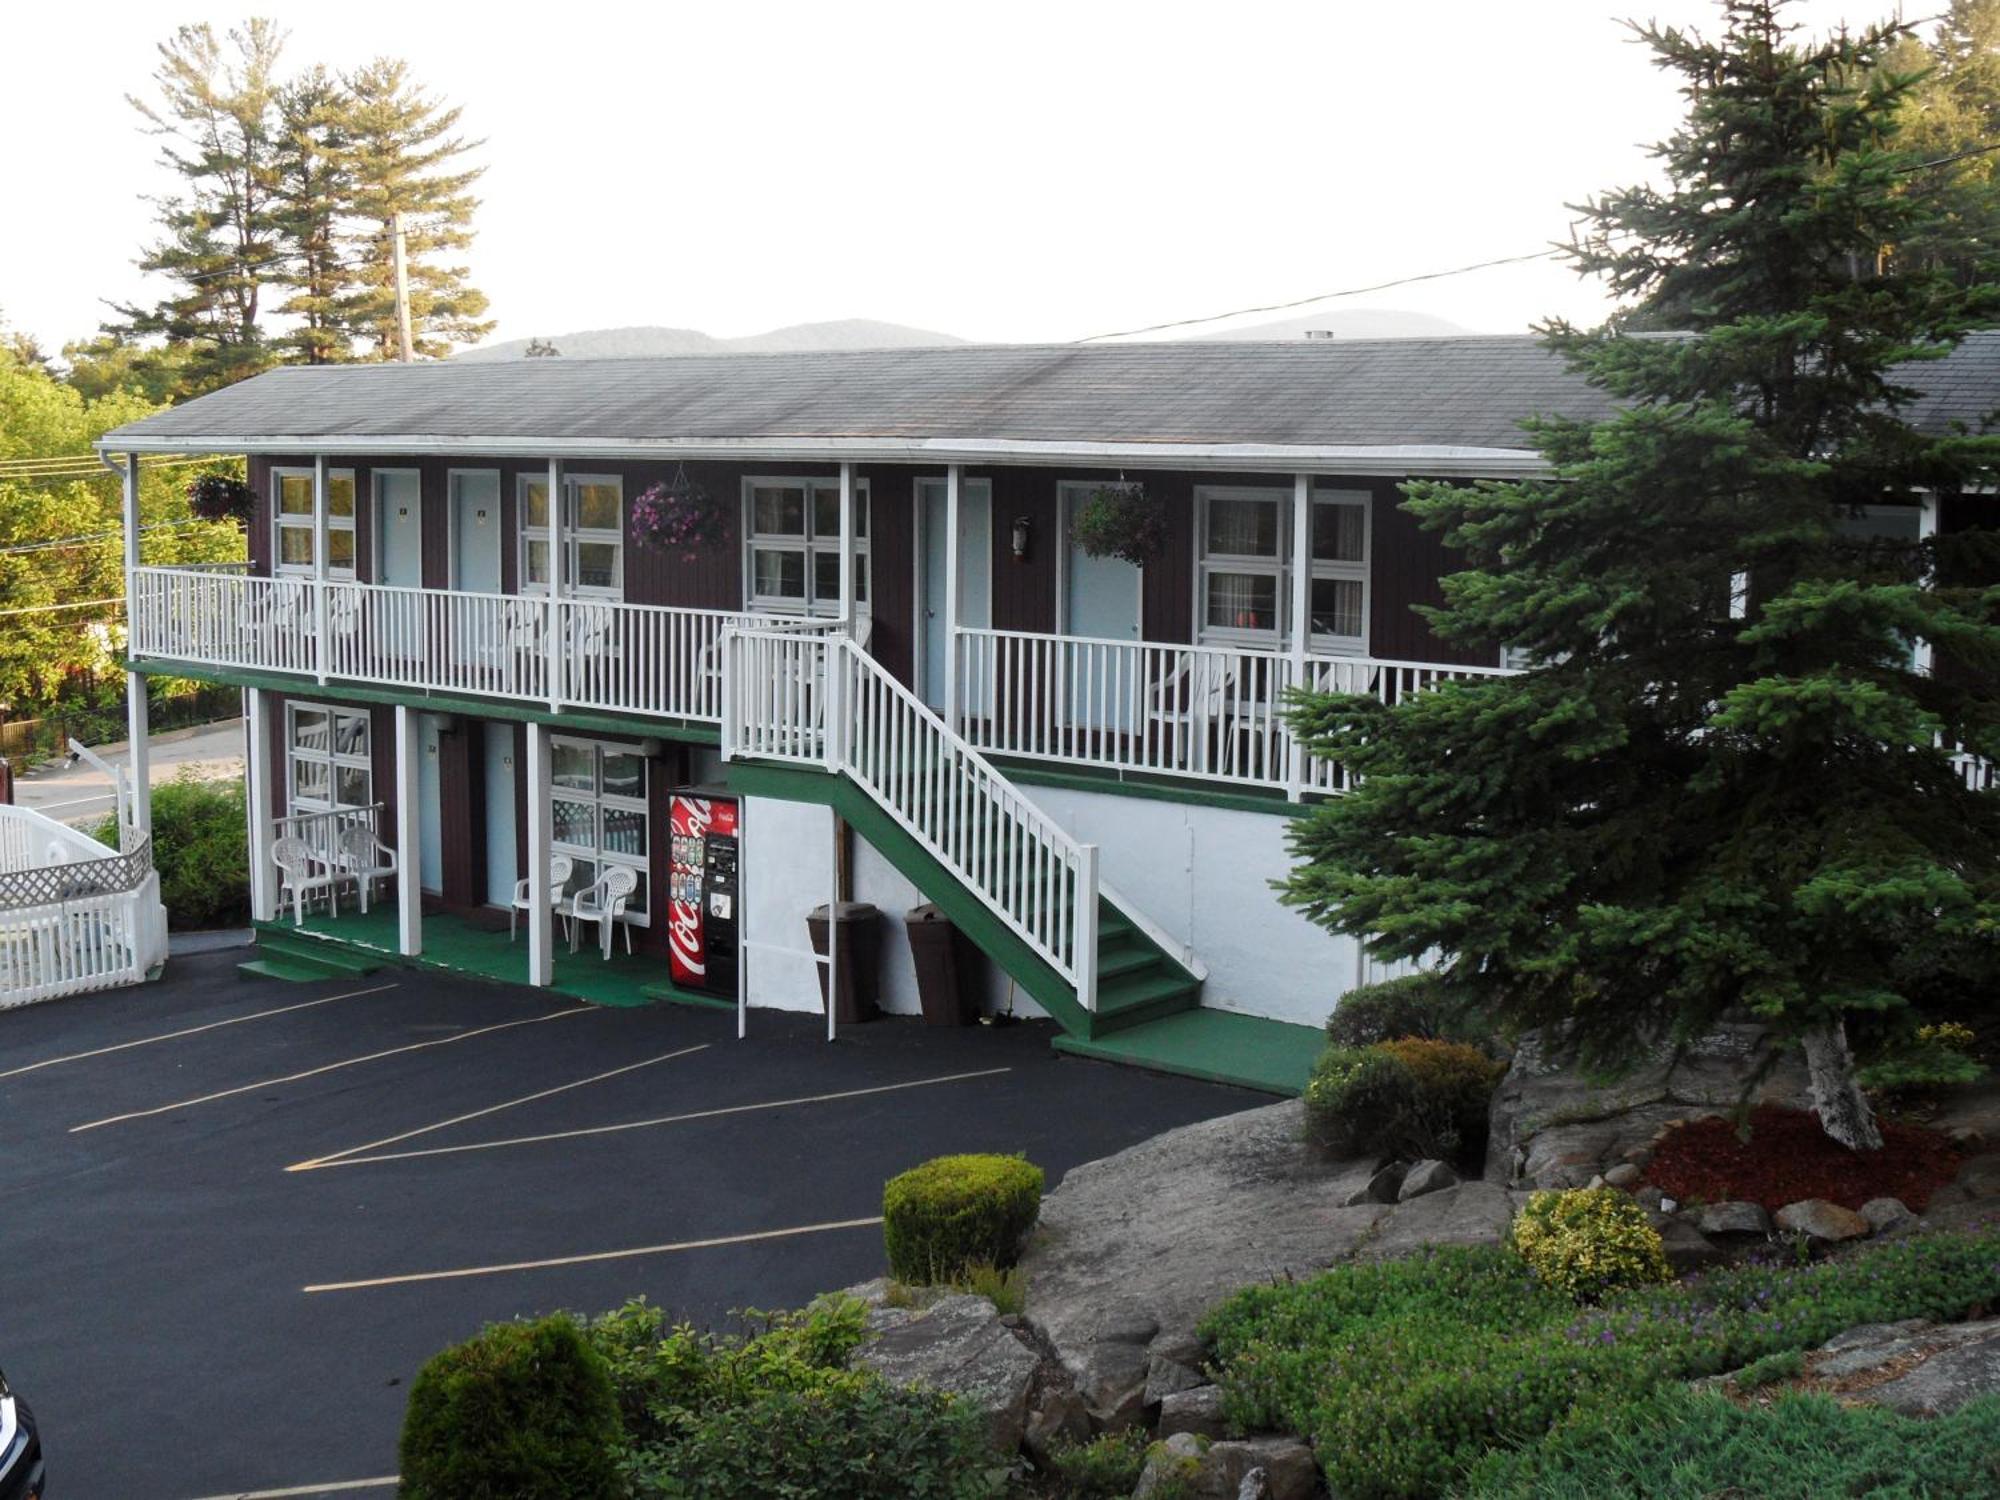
[
  {"x": 459, "y": 946},
  {"x": 1275, "y": 1057}
]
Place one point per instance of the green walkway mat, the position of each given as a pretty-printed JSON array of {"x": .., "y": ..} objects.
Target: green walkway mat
[
  {"x": 457, "y": 946},
  {"x": 1274, "y": 1057}
]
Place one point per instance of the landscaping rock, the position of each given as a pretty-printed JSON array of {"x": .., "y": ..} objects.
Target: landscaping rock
[
  {"x": 1286, "y": 1462},
  {"x": 1648, "y": 1196},
  {"x": 1624, "y": 1175},
  {"x": 958, "y": 1344},
  {"x": 1174, "y": 1464},
  {"x": 1256, "y": 1485},
  {"x": 1382, "y": 1187},
  {"x": 1553, "y": 1127},
  {"x": 1473, "y": 1213},
  {"x": 1820, "y": 1220},
  {"x": 1198, "y": 1411},
  {"x": 1915, "y": 1367},
  {"x": 1688, "y": 1249},
  {"x": 1056, "y": 1420},
  {"x": 1426, "y": 1177},
  {"x": 1734, "y": 1218},
  {"x": 1980, "y": 1177},
  {"x": 1886, "y": 1215},
  {"x": 1165, "y": 1376}
]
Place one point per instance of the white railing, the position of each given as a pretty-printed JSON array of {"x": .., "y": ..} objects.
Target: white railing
[
  {"x": 225, "y": 619},
  {"x": 444, "y": 640},
  {"x": 74, "y": 915},
  {"x": 1217, "y": 713},
  {"x": 321, "y": 831},
  {"x": 814, "y": 698}
]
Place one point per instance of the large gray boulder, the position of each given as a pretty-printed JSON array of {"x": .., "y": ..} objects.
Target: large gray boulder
[
  {"x": 1280, "y": 1468},
  {"x": 958, "y": 1344},
  {"x": 1553, "y": 1126},
  {"x": 1827, "y": 1223},
  {"x": 1915, "y": 1367}
]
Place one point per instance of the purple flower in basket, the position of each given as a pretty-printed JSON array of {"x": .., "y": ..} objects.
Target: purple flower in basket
[{"x": 678, "y": 517}]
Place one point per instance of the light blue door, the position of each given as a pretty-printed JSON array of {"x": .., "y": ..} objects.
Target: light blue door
[
  {"x": 1100, "y": 602},
  {"x": 430, "y": 822},
  {"x": 500, "y": 870},
  {"x": 975, "y": 578},
  {"x": 399, "y": 528},
  {"x": 475, "y": 530}
]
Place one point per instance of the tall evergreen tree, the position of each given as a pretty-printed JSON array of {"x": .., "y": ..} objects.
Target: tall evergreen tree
[
  {"x": 214, "y": 116},
  {"x": 1706, "y": 796},
  {"x": 402, "y": 157},
  {"x": 312, "y": 189}
]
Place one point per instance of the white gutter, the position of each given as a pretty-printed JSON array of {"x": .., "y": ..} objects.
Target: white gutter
[{"x": 1400, "y": 460}]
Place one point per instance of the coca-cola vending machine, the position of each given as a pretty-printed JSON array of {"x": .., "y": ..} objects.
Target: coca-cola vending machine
[{"x": 703, "y": 891}]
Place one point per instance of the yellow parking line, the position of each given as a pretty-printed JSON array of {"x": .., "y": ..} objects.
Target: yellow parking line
[
  {"x": 351, "y": 1062},
  {"x": 599, "y": 1255},
  {"x": 168, "y": 1036},
  {"x": 333, "y": 1159},
  {"x": 349, "y": 1160}
]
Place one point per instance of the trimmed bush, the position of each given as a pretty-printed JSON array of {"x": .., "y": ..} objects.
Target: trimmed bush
[
  {"x": 951, "y": 1214},
  {"x": 1415, "y": 1005},
  {"x": 1455, "y": 1084},
  {"x": 782, "y": 1412},
  {"x": 525, "y": 1410},
  {"x": 1361, "y": 1101},
  {"x": 201, "y": 850},
  {"x": 1586, "y": 1242}
]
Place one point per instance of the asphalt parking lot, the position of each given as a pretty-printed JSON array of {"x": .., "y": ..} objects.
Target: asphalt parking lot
[{"x": 238, "y": 1214}]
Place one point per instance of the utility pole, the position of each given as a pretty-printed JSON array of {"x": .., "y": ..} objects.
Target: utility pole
[{"x": 397, "y": 236}]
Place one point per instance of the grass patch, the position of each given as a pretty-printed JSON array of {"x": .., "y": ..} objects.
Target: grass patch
[
  {"x": 1797, "y": 1448},
  {"x": 1406, "y": 1374}
]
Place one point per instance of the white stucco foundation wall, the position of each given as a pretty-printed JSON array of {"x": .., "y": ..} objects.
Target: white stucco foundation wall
[
  {"x": 1203, "y": 875},
  {"x": 787, "y": 871}
]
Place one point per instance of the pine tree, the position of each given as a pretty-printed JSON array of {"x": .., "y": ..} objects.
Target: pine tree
[
  {"x": 220, "y": 243},
  {"x": 401, "y": 157},
  {"x": 312, "y": 190},
  {"x": 1723, "y": 784}
]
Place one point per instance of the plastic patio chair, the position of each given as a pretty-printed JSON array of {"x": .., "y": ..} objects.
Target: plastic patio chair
[
  {"x": 364, "y": 859},
  {"x": 561, "y": 866},
  {"x": 604, "y": 903},
  {"x": 302, "y": 874}
]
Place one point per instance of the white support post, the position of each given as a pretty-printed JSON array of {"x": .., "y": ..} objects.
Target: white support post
[
  {"x": 743, "y": 943},
  {"x": 409, "y": 835},
  {"x": 833, "y": 924},
  {"x": 261, "y": 804},
  {"x": 1922, "y": 656},
  {"x": 137, "y": 730},
  {"x": 834, "y": 675},
  {"x": 1301, "y": 617},
  {"x": 953, "y": 483},
  {"x": 847, "y": 548},
  {"x": 557, "y": 505},
  {"x": 321, "y": 500},
  {"x": 1084, "y": 950},
  {"x": 541, "y": 927}
]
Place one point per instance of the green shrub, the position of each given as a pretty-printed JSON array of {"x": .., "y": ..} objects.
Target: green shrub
[
  {"x": 524, "y": 1410},
  {"x": 1455, "y": 1084},
  {"x": 955, "y": 1212},
  {"x": 1786, "y": 1364},
  {"x": 1929, "y": 1056},
  {"x": 1105, "y": 1468},
  {"x": 1405, "y": 1373},
  {"x": 201, "y": 850},
  {"x": 782, "y": 1412},
  {"x": 1005, "y": 1288},
  {"x": 1414, "y": 1005},
  {"x": 1361, "y": 1101},
  {"x": 1801, "y": 1447},
  {"x": 1586, "y": 1242}
]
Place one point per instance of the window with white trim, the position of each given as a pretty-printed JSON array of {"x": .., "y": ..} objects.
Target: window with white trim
[
  {"x": 791, "y": 547},
  {"x": 593, "y": 534},
  {"x": 327, "y": 760},
  {"x": 1243, "y": 573},
  {"x": 598, "y": 811},
  {"x": 292, "y": 520}
]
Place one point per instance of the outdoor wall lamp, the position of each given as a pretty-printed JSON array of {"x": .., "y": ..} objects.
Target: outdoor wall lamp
[{"x": 1020, "y": 537}]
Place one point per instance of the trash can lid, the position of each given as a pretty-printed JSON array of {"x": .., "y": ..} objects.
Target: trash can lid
[
  {"x": 930, "y": 911},
  {"x": 850, "y": 911}
]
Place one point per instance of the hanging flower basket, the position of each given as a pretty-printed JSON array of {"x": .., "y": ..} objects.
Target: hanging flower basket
[
  {"x": 679, "y": 517},
  {"x": 221, "y": 497},
  {"x": 1120, "y": 520}
]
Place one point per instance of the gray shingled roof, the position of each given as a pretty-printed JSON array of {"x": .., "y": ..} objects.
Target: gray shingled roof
[{"x": 1447, "y": 392}]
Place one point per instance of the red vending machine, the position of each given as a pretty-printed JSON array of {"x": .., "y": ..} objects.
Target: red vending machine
[{"x": 703, "y": 891}]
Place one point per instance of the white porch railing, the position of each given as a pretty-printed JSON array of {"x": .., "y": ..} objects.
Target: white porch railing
[
  {"x": 74, "y": 915},
  {"x": 1216, "y": 713},
  {"x": 819, "y": 699}
]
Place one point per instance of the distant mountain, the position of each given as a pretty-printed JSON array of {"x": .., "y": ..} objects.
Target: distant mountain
[
  {"x": 1351, "y": 323},
  {"x": 603, "y": 343}
]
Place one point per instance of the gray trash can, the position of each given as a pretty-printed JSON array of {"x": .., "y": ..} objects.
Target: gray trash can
[{"x": 947, "y": 979}]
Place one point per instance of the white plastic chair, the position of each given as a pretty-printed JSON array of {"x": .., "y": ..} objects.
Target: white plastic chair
[
  {"x": 604, "y": 903},
  {"x": 364, "y": 859},
  {"x": 302, "y": 874},
  {"x": 561, "y": 866}
]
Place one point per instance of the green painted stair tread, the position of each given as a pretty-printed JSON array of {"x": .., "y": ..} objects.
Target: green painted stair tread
[
  {"x": 292, "y": 971},
  {"x": 1119, "y": 962},
  {"x": 322, "y": 951},
  {"x": 1272, "y": 1057}
]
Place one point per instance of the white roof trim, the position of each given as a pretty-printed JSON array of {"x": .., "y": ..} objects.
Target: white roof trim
[{"x": 1390, "y": 459}]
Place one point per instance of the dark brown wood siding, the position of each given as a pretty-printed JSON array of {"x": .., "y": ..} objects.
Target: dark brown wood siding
[{"x": 1406, "y": 569}]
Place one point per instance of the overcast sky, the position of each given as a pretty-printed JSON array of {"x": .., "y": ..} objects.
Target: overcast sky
[{"x": 1010, "y": 172}]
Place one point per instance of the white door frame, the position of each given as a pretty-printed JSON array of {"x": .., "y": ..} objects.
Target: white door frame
[{"x": 920, "y": 563}]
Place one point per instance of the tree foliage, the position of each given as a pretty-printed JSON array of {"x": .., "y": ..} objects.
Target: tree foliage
[{"x": 1703, "y": 796}]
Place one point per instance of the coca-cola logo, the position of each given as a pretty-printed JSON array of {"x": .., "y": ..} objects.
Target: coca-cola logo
[{"x": 684, "y": 937}]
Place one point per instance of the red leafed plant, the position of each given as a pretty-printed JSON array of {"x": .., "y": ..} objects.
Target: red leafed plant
[{"x": 1787, "y": 1156}]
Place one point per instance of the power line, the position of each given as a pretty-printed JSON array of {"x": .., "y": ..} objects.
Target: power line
[
  {"x": 1380, "y": 286},
  {"x": 50, "y": 609},
  {"x": 85, "y": 538}
]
